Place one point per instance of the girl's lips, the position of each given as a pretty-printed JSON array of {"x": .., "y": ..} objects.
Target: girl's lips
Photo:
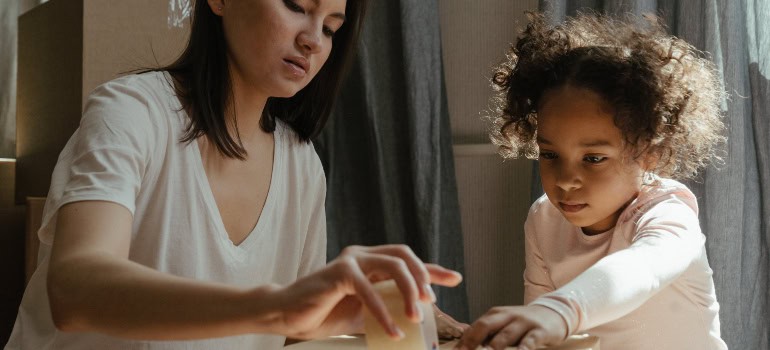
[{"x": 572, "y": 208}]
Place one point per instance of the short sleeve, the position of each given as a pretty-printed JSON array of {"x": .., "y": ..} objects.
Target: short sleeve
[
  {"x": 314, "y": 249},
  {"x": 107, "y": 156}
]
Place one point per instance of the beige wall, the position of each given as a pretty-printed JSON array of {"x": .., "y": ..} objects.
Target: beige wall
[{"x": 494, "y": 195}]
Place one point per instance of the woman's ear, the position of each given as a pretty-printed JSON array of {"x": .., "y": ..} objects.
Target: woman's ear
[{"x": 217, "y": 6}]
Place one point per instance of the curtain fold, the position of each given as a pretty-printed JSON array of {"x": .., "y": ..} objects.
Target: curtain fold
[
  {"x": 8, "y": 37},
  {"x": 387, "y": 148},
  {"x": 734, "y": 197}
]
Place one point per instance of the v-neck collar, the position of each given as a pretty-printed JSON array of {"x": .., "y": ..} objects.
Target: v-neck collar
[{"x": 211, "y": 204}]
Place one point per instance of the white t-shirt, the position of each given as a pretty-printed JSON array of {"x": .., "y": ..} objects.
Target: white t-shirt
[
  {"x": 127, "y": 151},
  {"x": 645, "y": 284}
]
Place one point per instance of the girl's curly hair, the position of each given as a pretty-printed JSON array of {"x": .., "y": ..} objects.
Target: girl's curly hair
[{"x": 665, "y": 93}]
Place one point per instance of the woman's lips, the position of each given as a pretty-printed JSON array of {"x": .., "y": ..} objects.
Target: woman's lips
[
  {"x": 295, "y": 69},
  {"x": 573, "y": 207}
]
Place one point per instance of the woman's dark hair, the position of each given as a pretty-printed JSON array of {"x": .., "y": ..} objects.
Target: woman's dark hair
[
  {"x": 202, "y": 82},
  {"x": 666, "y": 96}
]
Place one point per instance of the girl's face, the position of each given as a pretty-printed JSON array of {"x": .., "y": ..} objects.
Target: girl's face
[
  {"x": 276, "y": 47},
  {"x": 583, "y": 164}
]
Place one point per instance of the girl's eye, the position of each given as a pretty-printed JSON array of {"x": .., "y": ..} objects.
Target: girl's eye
[
  {"x": 547, "y": 155},
  {"x": 594, "y": 159},
  {"x": 293, "y": 6}
]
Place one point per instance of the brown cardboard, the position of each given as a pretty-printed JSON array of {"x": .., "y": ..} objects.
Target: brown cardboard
[
  {"x": 576, "y": 342},
  {"x": 66, "y": 49}
]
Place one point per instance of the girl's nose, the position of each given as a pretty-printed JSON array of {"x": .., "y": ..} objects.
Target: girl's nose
[{"x": 568, "y": 179}]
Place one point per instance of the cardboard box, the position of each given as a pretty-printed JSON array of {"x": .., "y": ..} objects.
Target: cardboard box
[
  {"x": 358, "y": 342},
  {"x": 66, "y": 49}
]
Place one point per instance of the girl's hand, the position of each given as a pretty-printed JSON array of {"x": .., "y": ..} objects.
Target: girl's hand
[
  {"x": 448, "y": 327},
  {"x": 329, "y": 301},
  {"x": 527, "y": 327}
]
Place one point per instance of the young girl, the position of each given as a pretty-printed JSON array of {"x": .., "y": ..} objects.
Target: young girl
[
  {"x": 187, "y": 211},
  {"x": 613, "y": 110}
]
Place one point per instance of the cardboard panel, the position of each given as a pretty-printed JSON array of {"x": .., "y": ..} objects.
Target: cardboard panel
[
  {"x": 121, "y": 36},
  {"x": 48, "y": 91},
  {"x": 66, "y": 49}
]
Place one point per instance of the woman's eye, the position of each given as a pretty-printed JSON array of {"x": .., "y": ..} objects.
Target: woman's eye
[
  {"x": 594, "y": 159},
  {"x": 328, "y": 31},
  {"x": 293, "y": 6},
  {"x": 547, "y": 155}
]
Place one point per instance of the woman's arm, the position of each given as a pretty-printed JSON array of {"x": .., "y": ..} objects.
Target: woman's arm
[{"x": 93, "y": 287}]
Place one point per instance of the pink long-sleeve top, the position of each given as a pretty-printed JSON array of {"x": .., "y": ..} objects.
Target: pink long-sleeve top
[{"x": 645, "y": 284}]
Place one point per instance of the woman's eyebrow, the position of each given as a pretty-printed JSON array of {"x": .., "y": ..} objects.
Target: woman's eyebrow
[{"x": 338, "y": 15}]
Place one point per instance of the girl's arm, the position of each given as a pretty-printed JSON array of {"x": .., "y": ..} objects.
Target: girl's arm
[
  {"x": 536, "y": 280},
  {"x": 93, "y": 287},
  {"x": 666, "y": 242}
]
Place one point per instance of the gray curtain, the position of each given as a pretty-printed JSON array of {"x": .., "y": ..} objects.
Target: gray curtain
[
  {"x": 8, "y": 27},
  {"x": 387, "y": 148},
  {"x": 735, "y": 197},
  {"x": 9, "y": 24}
]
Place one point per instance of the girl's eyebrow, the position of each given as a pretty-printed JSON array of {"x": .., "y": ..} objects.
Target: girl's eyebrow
[
  {"x": 596, "y": 143},
  {"x": 586, "y": 144}
]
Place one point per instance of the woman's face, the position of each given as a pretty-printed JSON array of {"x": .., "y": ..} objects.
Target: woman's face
[{"x": 276, "y": 47}]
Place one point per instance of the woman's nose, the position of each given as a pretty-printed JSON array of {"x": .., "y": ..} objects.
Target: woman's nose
[{"x": 310, "y": 40}]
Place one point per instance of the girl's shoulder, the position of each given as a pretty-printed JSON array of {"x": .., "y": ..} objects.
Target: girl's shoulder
[
  {"x": 662, "y": 191},
  {"x": 543, "y": 212}
]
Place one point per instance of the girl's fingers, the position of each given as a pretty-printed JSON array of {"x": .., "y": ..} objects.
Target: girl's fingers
[
  {"x": 532, "y": 340},
  {"x": 484, "y": 327},
  {"x": 510, "y": 334}
]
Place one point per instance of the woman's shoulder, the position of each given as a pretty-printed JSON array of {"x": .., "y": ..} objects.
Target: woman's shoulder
[
  {"x": 299, "y": 153},
  {"x": 144, "y": 100},
  {"x": 147, "y": 88}
]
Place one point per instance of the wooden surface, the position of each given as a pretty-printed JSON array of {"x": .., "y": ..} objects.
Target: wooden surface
[{"x": 581, "y": 342}]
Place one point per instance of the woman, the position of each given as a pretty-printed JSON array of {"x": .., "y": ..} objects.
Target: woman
[{"x": 187, "y": 211}]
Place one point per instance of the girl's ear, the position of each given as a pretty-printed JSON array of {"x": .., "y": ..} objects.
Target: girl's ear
[
  {"x": 217, "y": 6},
  {"x": 650, "y": 160}
]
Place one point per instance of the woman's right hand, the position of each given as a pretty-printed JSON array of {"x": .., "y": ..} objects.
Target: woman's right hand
[{"x": 329, "y": 301}]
